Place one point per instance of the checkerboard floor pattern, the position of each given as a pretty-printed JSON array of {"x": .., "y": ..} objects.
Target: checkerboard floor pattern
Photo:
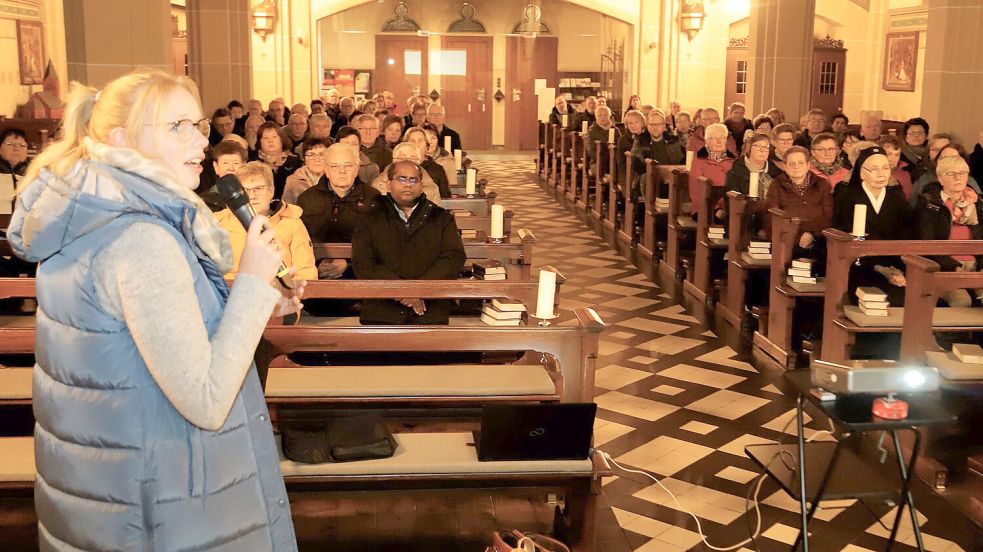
[{"x": 676, "y": 401}]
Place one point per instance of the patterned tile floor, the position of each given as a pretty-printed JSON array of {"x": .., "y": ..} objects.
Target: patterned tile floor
[{"x": 676, "y": 401}]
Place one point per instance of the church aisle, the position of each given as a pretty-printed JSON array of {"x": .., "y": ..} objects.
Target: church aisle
[{"x": 675, "y": 400}]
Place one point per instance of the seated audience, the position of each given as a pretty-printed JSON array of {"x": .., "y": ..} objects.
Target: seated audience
[
  {"x": 776, "y": 115},
  {"x": 815, "y": 124},
  {"x": 888, "y": 218},
  {"x": 419, "y": 138},
  {"x": 392, "y": 130},
  {"x": 949, "y": 210},
  {"x": 313, "y": 150},
  {"x": 656, "y": 143},
  {"x": 782, "y": 138},
  {"x": 802, "y": 194},
  {"x": 737, "y": 124},
  {"x": 561, "y": 108},
  {"x": 899, "y": 176},
  {"x": 683, "y": 128},
  {"x": 755, "y": 160},
  {"x": 825, "y": 160},
  {"x": 295, "y": 244},
  {"x": 839, "y": 124},
  {"x": 709, "y": 116},
  {"x": 915, "y": 133},
  {"x": 274, "y": 150},
  {"x": 296, "y": 129},
  {"x": 367, "y": 169},
  {"x": 588, "y": 115},
  {"x": 437, "y": 116},
  {"x": 405, "y": 236},
  {"x": 222, "y": 124},
  {"x": 409, "y": 151},
  {"x": 251, "y": 132},
  {"x": 370, "y": 142},
  {"x": 597, "y": 133},
  {"x": 713, "y": 161},
  {"x": 948, "y": 150}
]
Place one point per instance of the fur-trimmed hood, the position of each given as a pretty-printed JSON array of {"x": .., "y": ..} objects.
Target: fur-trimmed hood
[{"x": 52, "y": 211}]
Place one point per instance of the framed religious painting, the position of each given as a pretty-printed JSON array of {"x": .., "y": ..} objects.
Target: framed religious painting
[
  {"x": 900, "y": 61},
  {"x": 30, "y": 51}
]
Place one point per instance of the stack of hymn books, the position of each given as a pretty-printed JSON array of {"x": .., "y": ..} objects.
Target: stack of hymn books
[
  {"x": 487, "y": 269},
  {"x": 503, "y": 312},
  {"x": 469, "y": 234},
  {"x": 801, "y": 271},
  {"x": 759, "y": 249},
  {"x": 872, "y": 301},
  {"x": 717, "y": 233}
]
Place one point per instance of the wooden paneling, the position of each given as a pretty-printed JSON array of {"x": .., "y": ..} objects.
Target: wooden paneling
[
  {"x": 390, "y": 66},
  {"x": 468, "y": 99},
  {"x": 528, "y": 59}
]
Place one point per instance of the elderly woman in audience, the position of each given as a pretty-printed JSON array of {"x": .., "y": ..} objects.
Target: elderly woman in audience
[
  {"x": 947, "y": 150},
  {"x": 406, "y": 237},
  {"x": 367, "y": 169},
  {"x": 713, "y": 162},
  {"x": 899, "y": 176},
  {"x": 308, "y": 175},
  {"x": 776, "y": 115},
  {"x": 825, "y": 160},
  {"x": 291, "y": 234},
  {"x": 915, "y": 134},
  {"x": 888, "y": 218},
  {"x": 407, "y": 151},
  {"x": 419, "y": 138},
  {"x": 805, "y": 195},
  {"x": 950, "y": 210},
  {"x": 274, "y": 150},
  {"x": 782, "y": 138},
  {"x": 757, "y": 149},
  {"x": 392, "y": 130}
]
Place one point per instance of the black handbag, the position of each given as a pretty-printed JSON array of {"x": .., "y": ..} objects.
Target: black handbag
[{"x": 348, "y": 439}]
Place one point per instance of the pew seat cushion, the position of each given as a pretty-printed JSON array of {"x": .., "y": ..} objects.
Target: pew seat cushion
[
  {"x": 15, "y": 383},
  {"x": 433, "y": 454},
  {"x": 469, "y": 380},
  {"x": 942, "y": 317},
  {"x": 685, "y": 221},
  {"x": 17, "y": 459},
  {"x": 952, "y": 368}
]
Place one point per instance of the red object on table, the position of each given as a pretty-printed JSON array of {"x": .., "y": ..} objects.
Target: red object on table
[{"x": 889, "y": 408}]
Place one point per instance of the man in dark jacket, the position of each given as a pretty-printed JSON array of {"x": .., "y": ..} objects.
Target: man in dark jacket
[
  {"x": 406, "y": 237},
  {"x": 370, "y": 142},
  {"x": 561, "y": 108}
]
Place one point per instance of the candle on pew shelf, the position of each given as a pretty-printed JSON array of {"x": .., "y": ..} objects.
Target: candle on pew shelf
[
  {"x": 469, "y": 184},
  {"x": 497, "y": 230},
  {"x": 546, "y": 295},
  {"x": 583, "y": 127},
  {"x": 457, "y": 160},
  {"x": 447, "y": 143},
  {"x": 753, "y": 185},
  {"x": 689, "y": 160},
  {"x": 611, "y": 135},
  {"x": 859, "y": 220},
  {"x": 563, "y": 120}
]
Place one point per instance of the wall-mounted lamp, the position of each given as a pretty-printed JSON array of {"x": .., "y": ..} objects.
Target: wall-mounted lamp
[
  {"x": 264, "y": 18},
  {"x": 691, "y": 16}
]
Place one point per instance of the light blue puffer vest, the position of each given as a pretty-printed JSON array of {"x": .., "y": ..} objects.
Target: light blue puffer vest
[{"x": 118, "y": 467}]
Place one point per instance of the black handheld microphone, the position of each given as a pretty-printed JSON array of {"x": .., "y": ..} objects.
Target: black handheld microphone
[{"x": 237, "y": 201}]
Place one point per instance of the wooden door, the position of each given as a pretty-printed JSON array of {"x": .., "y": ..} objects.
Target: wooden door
[
  {"x": 828, "y": 69},
  {"x": 736, "y": 75},
  {"x": 400, "y": 65},
  {"x": 466, "y": 87},
  {"x": 527, "y": 59}
]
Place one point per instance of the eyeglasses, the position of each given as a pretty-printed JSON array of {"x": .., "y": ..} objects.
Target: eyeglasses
[
  {"x": 15, "y": 145},
  {"x": 186, "y": 128},
  {"x": 956, "y": 174},
  {"x": 341, "y": 167},
  {"x": 404, "y": 180}
]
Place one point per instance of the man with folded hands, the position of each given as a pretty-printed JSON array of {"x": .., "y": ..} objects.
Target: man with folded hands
[{"x": 405, "y": 236}]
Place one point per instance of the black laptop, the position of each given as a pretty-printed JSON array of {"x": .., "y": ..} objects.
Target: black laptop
[{"x": 528, "y": 431}]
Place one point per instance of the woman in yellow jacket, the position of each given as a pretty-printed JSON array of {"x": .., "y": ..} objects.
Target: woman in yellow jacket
[{"x": 295, "y": 242}]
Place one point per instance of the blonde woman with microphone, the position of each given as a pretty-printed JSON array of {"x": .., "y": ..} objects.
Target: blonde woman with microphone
[{"x": 152, "y": 431}]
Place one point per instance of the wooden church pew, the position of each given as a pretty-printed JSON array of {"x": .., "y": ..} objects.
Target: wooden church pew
[
  {"x": 839, "y": 329},
  {"x": 699, "y": 283},
  {"x": 776, "y": 324},
  {"x": 740, "y": 265}
]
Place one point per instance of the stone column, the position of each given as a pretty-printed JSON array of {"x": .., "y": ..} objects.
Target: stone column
[
  {"x": 218, "y": 50},
  {"x": 105, "y": 39},
  {"x": 954, "y": 69},
  {"x": 780, "y": 56}
]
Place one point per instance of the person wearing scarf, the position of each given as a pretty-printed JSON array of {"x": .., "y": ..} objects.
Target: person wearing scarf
[
  {"x": 826, "y": 159},
  {"x": 950, "y": 210}
]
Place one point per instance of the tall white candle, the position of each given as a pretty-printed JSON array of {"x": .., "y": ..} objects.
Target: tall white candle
[
  {"x": 457, "y": 160},
  {"x": 546, "y": 295},
  {"x": 447, "y": 143},
  {"x": 611, "y": 135},
  {"x": 753, "y": 185},
  {"x": 563, "y": 120},
  {"x": 583, "y": 127},
  {"x": 497, "y": 222},
  {"x": 859, "y": 220},
  {"x": 469, "y": 184},
  {"x": 689, "y": 160}
]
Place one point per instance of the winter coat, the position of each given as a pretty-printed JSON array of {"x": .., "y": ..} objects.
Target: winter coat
[
  {"x": 118, "y": 467},
  {"x": 427, "y": 247},
  {"x": 295, "y": 243}
]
